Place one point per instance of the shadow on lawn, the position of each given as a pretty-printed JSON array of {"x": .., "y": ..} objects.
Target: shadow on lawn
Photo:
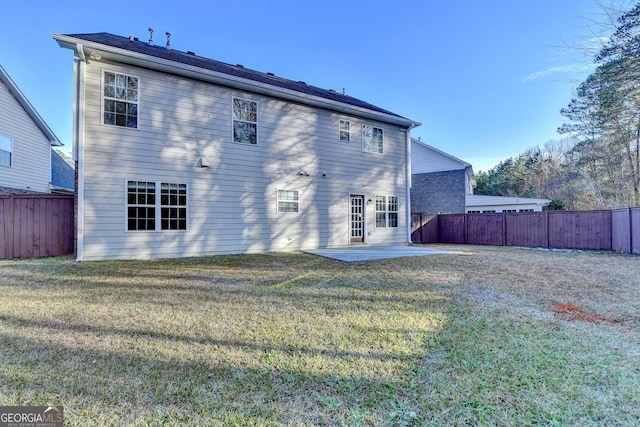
[
  {"x": 106, "y": 387},
  {"x": 49, "y": 325}
]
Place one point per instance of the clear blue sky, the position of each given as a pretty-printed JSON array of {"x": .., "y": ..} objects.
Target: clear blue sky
[{"x": 486, "y": 78}]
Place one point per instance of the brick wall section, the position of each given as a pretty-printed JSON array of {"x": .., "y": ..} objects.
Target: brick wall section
[{"x": 438, "y": 192}]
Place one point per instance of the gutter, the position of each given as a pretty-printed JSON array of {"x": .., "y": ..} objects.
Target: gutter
[
  {"x": 408, "y": 178},
  {"x": 79, "y": 74}
]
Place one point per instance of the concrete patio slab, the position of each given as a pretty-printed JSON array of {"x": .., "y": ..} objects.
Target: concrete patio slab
[{"x": 368, "y": 253}]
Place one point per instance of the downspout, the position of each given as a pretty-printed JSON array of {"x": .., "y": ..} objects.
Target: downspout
[
  {"x": 79, "y": 74},
  {"x": 408, "y": 179}
]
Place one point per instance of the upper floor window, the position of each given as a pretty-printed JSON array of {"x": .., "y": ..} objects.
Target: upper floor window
[
  {"x": 245, "y": 121},
  {"x": 386, "y": 211},
  {"x": 372, "y": 139},
  {"x": 345, "y": 130},
  {"x": 288, "y": 201},
  {"x": 120, "y": 100},
  {"x": 6, "y": 150}
]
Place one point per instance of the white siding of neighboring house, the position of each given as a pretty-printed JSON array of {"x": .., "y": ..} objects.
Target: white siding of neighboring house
[
  {"x": 425, "y": 159},
  {"x": 232, "y": 203},
  {"x": 499, "y": 204},
  {"x": 31, "y": 157}
]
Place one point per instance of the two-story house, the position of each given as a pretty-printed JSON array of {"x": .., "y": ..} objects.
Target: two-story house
[
  {"x": 25, "y": 142},
  {"x": 180, "y": 155}
]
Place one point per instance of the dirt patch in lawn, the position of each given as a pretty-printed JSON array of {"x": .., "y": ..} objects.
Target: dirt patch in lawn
[{"x": 572, "y": 312}]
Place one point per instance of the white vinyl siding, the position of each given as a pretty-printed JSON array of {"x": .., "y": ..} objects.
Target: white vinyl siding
[
  {"x": 426, "y": 159},
  {"x": 232, "y": 204},
  {"x": 30, "y": 148}
]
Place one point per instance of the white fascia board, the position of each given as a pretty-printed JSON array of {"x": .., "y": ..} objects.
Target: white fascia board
[{"x": 172, "y": 67}]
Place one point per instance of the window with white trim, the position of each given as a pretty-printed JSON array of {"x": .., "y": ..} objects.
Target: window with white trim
[
  {"x": 6, "y": 150},
  {"x": 245, "y": 121},
  {"x": 141, "y": 206},
  {"x": 147, "y": 212},
  {"x": 386, "y": 211},
  {"x": 345, "y": 130},
  {"x": 119, "y": 100},
  {"x": 372, "y": 139},
  {"x": 173, "y": 206},
  {"x": 288, "y": 201}
]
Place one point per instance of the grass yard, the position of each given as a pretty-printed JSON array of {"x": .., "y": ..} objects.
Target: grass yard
[{"x": 486, "y": 336}]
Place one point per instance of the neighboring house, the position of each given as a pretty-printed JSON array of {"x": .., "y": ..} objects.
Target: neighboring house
[
  {"x": 442, "y": 183},
  {"x": 25, "y": 142},
  {"x": 180, "y": 155},
  {"x": 498, "y": 204}
]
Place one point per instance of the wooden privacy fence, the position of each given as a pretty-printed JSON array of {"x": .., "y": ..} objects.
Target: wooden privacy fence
[
  {"x": 36, "y": 225},
  {"x": 617, "y": 230}
]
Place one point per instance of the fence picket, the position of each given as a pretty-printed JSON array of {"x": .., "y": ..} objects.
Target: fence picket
[{"x": 36, "y": 225}]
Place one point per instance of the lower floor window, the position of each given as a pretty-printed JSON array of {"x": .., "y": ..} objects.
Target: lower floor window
[
  {"x": 148, "y": 212},
  {"x": 173, "y": 206},
  {"x": 386, "y": 211}
]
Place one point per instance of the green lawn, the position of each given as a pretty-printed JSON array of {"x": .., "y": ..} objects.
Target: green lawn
[{"x": 471, "y": 338}]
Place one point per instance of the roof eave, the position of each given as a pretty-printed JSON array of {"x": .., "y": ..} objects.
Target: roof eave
[{"x": 152, "y": 62}]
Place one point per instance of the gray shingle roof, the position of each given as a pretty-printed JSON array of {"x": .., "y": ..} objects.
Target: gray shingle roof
[{"x": 189, "y": 58}]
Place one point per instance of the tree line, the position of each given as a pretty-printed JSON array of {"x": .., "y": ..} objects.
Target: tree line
[{"x": 596, "y": 165}]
